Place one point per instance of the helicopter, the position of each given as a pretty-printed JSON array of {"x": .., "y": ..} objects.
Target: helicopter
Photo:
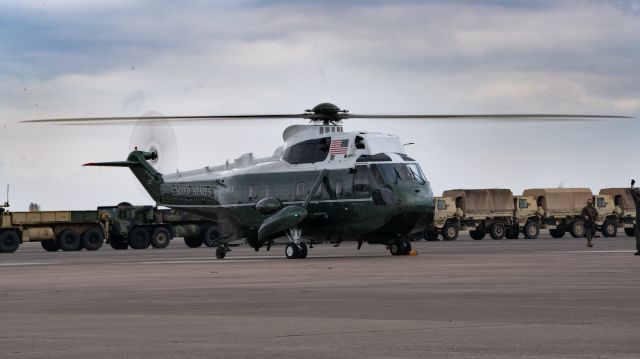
[{"x": 323, "y": 183}]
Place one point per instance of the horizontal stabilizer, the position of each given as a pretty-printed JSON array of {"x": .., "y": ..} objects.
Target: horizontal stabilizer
[{"x": 113, "y": 164}]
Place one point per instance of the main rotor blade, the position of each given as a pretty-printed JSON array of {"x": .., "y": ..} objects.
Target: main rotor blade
[
  {"x": 525, "y": 116},
  {"x": 97, "y": 120}
]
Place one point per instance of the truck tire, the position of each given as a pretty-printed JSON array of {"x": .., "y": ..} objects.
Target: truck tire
[
  {"x": 609, "y": 228},
  {"x": 577, "y": 229},
  {"x": 118, "y": 242},
  {"x": 92, "y": 239},
  {"x": 9, "y": 242},
  {"x": 211, "y": 236},
  {"x": 630, "y": 232},
  {"x": 557, "y": 233},
  {"x": 139, "y": 238},
  {"x": 160, "y": 237},
  {"x": 69, "y": 240},
  {"x": 50, "y": 246},
  {"x": 497, "y": 231},
  {"x": 450, "y": 232},
  {"x": 531, "y": 230},
  {"x": 477, "y": 235},
  {"x": 431, "y": 235},
  {"x": 193, "y": 241}
]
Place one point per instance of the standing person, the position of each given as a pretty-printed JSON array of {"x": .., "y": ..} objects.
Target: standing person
[
  {"x": 635, "y": 193},
  {"x": 590, "y": 216}
]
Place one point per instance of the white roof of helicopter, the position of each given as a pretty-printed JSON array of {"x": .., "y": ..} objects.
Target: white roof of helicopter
[{"x": 373, "y": 142}]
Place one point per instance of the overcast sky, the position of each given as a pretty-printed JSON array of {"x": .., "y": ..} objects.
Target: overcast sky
[{"x": 125, "y": 58}]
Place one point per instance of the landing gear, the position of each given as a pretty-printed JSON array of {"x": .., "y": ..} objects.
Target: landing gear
[
  {"x": 295, "y": 249},
  {"x": 221, "y": 252},
  {"x": 400, "y": 247}
]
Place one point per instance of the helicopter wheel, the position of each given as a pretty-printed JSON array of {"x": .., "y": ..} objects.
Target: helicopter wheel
[
  {"x": 399, "y": 247},
  {"x": 221, "y": 252},
  {"x": 292, "y": 251},
  {"x": 303, "y": 250}
]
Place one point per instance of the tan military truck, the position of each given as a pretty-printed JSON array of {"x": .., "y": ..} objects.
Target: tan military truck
[
  {"x": 66, "y": 230},
  {"x": 616, "y": 209},
  {"x": 526, "y": 218},
  {"x": 480, "y": 211},
  {"x": 561, "y": 208}
]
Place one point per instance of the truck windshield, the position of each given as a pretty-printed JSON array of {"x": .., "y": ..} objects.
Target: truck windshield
[{"x": 394, "y": 172}]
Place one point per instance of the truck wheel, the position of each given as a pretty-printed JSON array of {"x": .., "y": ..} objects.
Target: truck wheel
[
  {"x": 139, "y": 238},
  {"x": 477, "y": 235},
  {"x": 69, "y": 240},
  {"x": 577, "y": 229},
  {"x": 609, "y": 228},
  {"x": 450, "y": 232},
  {"x": 630, "y": 232},
  {"x": 160, "y": 238},
  {"x": 497, "y": 231},
  {"x": 431, "y": 235},
  {"x": 531, "y": 230},
  {"x": 9, "y": 242},
  {"x": 118, "y": 242},
  {"x": 92, "y": 239},
  {"x": 210, "y": 236},
  {"x": 50, "y": 246},
  {"x": 193, "y": 241},
  {"x": 556, "y": 233}
]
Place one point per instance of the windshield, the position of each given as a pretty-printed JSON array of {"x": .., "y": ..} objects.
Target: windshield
[{"x": 394, "y": 172}]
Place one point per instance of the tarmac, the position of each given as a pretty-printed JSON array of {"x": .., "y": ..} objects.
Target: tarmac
[{"x": 544, "y": 298}]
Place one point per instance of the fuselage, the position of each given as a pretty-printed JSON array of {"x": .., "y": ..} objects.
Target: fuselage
[{"x": 371, "y": 188}]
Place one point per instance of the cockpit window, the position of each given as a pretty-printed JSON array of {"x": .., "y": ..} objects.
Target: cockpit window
[
  {"x": 394, "y": 172},
  {"x": 310, "y": 151}
]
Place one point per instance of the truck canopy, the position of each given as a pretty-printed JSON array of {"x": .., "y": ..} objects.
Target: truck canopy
[
  {"x": 482, "y": 200},
  {"x": 621, "y": 196},
  {"x": 560, "y": 199}
]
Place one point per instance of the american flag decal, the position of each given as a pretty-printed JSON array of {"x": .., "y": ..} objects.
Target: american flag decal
[{"x": 339, "y": 147}]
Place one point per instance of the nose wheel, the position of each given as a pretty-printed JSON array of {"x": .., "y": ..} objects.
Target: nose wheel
[{"x": 400, "y": 247}]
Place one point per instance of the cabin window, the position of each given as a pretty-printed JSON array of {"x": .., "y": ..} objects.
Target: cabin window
[
  {"x": 300, "y": 190},
  {"x": 321, "y": 130},
  {"x": 600, "y": 202},
  {"x": 361, "y": 179},
  {"x": 617, "y": 200},
  {"x": 539, "y": 201},
  {"x": 442, "y": 205},
  {"x": 522, "y": 203},
  {"x": 310, "y": 151},
  {"x": 359, "y": 143}
]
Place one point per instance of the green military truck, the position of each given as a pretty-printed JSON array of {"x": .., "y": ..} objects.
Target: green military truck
[
  {"x": 139, "y": 227},
  {"x": 66, "y": 230},
  {"x": 480, "y": 211}
]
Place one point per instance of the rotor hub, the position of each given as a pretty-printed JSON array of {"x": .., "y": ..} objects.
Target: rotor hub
[{"x": 327, "y": 113}]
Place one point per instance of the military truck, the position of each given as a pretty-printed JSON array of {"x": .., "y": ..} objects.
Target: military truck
[
  {"x": 561, "y": 208},
  {"x": 480, "y": 211},
  {"x": 66, "y": 230},
  {"x": 139, "y": 227},
  {"x": 616, "y": 209}
]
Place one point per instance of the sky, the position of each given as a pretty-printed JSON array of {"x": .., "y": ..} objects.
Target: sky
[{"x": 72, "y": 58}]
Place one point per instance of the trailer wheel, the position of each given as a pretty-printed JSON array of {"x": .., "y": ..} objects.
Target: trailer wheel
[
  {"x": 118, "y": 242},
  {"x": 210, "y": 236},
  {"x": 497, "y": 231},
  {"x": 450, "y": 232},
  {"x": 557, "y": 233},
  {"x": 9, "y": 242},
  {"x": 92, "y": 239},
  {"x": 50, "y": 246},
  {"x": 69, "y": 240},
  {"x": 431, "y": 235},
  {"x": 139, "y": 238},
  {"x": 193, "y": 241},
  {"x": 609, "y": 228},
  {"x": 160, "y": 237},
  {"x": 477, "y": 235},
  {"x": 531, "y": 230},
  {"x": 577, "y": 229},
  {"x": 630, "y": 232}
]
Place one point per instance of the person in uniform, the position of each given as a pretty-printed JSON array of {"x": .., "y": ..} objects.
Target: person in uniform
[
  {"x": 635, "y": 193},
  {"x": 590, "y": 215}
]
